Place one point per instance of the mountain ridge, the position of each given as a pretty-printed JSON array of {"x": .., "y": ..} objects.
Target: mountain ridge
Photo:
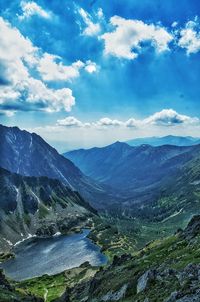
[
  {"x": 165, "y": 140},
  {"x": 29, "y": 155}
]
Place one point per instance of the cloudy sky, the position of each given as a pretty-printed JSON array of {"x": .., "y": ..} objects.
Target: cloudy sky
[{"x": 87, "y": 73}]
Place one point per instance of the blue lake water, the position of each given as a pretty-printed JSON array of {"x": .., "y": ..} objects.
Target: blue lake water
[{"x": 40, "y": 256}]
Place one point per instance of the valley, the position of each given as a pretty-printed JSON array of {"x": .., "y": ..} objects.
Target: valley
[{"x": 71, "y": 225}]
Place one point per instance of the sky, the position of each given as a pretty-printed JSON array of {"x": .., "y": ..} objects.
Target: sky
[{"x": 87, "y": 73}]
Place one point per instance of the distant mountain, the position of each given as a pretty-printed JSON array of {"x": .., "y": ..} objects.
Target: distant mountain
[
  {"x": 165, "y": 140},
  {"x": 29, "y": 155},
  {"x": 38, "y": 205},
  {"x": 135, "y": 172}
]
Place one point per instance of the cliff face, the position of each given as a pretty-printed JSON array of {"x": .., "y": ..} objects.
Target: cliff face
[{"x": 38, "y": 206}]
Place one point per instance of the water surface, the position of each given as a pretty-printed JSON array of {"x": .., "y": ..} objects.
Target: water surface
[{"x": 39, "y": 256}]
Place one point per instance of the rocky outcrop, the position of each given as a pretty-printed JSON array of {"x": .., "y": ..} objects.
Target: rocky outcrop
[
  {"x": 192, "y": 229},
  {"x": 38, "y": 206},
  {"x": 117, "y": 295},
  {"x": 9, "y": 294},
  {"x": 145, "y": 280}
]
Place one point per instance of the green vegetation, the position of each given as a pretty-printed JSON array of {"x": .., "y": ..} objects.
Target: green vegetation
[
  {"x": 43, "y": 211},
  {"x": 52, "y": 287}
]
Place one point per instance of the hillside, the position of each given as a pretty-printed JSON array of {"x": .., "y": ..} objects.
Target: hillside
[
  {"x": 133, "y": 171},
  {"x": 163, "y": 271},
  {"x": 29, "y": 155},
  {"x": 38, "y": 206}
]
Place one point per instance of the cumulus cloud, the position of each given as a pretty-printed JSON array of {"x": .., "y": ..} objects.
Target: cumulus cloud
[
  {"x": 169, "y": 117},
  {"x": 166, "y": 117},
  {"x": 106, "y": 122},
  {"x": 19, "y": 90},
  {"x": 71, "y": 121},
  {"x": 91, "y": 29},
  {"x": 90, "y": 66},
  {"x": 190, "y": 37},
  {"x": 125, "y": 40},
  {"x": 51, "y": 68},
  {"x": 31, "y": 8}
]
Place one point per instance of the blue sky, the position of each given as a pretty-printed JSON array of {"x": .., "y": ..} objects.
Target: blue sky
[{"x": 84, "y": 73}]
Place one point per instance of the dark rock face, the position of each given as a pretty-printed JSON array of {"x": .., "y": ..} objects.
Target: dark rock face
[
  {"x": 38, "y": 205},
  {"x": 4, "y": 284},
  {"x": 29, "y": 155},
  {"x": 193, "y": 228}
]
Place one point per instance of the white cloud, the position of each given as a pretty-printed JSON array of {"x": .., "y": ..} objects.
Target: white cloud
[
  {"x": 174, "y": 24},
  {"x": 126, "y": 38},
  {"x": 71, "y": 121},
  {"x": 92, "y": 29},
  {"x": 190, "y": 37},
  {"x": 169, "y": 117},
  {"x": 52, "y": 69},
  {"x": 18, "y": 58},
  {"x": 31, "y": 8},
  {"x": 166, "y": 117},
  {"x": 90, "y": 66},
  {"x": 131, "y": 123},
  {"x": 106, "y": 122},
  {"x": 100, "y": 14}
]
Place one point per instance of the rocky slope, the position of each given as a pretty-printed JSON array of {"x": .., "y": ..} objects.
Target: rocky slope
[
  {"x": 164, "y": 271},
  {"x": 29, "y": 155},
  {"x": 38, "y": 206}
]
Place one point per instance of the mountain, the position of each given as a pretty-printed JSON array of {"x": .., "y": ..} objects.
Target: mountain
[
  {"x": 100, "y": 163},
  {"x": 132, "y": 170},
  {"x": 38, "y": 205},
  {"x": 165, "y": 140},
  {"x": 29, "y": 155},
  {"x": 156, "y": 183}
]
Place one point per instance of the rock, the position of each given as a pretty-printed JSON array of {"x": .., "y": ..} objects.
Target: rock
[
  {"x": 115, "y": 296},
  {"x": 145, "y": 280},
  {"x": 180, "y": 297},
  {"x": 172, "y": 297},
  {"x": 4, "y": 283},
  {"x": 191, "y": 273},
  {"x": 192, "y": 229},
  {"x": 118, "y": 260}
]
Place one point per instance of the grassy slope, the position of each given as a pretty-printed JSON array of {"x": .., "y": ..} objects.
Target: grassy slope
[{"x": 170, "y": 253}]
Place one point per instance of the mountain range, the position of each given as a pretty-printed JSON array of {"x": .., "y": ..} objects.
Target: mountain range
[
  {"x": 29, "y": 155},
  {"x": 165, "y": 140},
  {"x": 145, "y": 176}
]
